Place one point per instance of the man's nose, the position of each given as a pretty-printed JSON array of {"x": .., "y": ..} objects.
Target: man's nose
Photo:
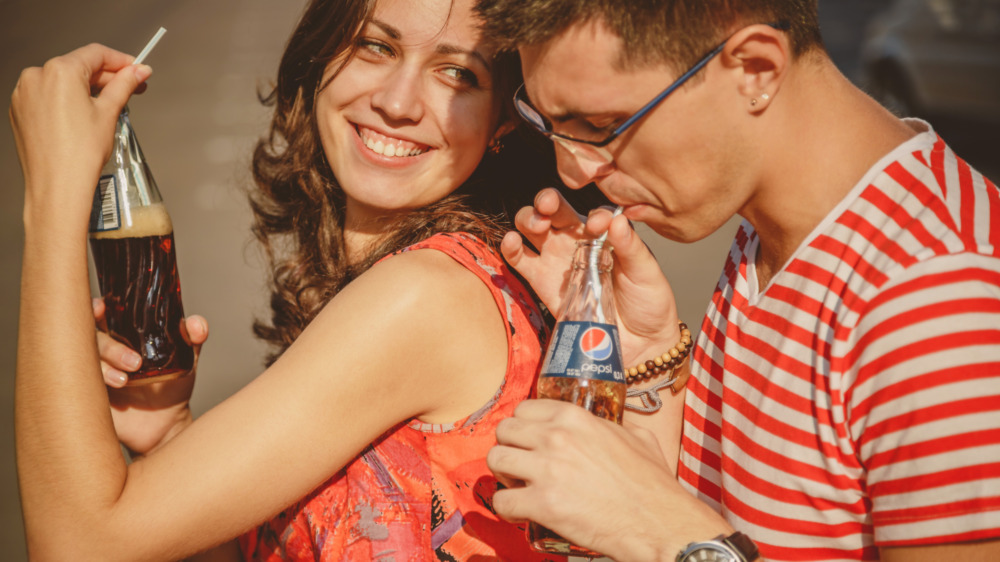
[{"x": 577, "y": 166}]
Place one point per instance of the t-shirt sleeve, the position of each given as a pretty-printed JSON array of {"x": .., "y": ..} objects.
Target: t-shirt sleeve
[{"x": 924, "y": 407}]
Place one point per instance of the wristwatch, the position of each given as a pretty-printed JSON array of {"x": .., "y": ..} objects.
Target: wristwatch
[{"x": 737, "y": 547}]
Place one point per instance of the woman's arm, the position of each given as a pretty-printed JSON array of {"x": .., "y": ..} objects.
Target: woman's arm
[{"x": 412, "y": 337}]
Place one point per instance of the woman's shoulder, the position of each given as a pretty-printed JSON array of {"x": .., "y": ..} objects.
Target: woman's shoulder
[{"x": 465, "y": 248}]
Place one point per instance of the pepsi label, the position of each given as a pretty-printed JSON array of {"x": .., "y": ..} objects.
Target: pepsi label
[{"x": 584, "y": 350}]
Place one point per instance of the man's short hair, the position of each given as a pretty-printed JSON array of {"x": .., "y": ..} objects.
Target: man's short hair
[{"x": 675, "y": 32}]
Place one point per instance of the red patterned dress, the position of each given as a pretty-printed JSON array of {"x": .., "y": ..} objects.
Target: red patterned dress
[{"x": 422, "y": 491}]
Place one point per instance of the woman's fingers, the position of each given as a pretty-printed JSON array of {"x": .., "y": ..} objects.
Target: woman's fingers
[
  {"x": 117, "y": 359},
  {"x": 195, "y": 330}
]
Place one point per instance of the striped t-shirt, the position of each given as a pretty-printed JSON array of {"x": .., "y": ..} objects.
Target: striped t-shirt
[{"x": 854, "y": 402}]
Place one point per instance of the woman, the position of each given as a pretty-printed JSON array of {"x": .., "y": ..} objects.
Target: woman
[{"x": 366, "y": 436}]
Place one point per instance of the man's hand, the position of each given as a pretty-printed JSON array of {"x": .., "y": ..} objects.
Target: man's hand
[
  {"x": 598, "y": 484},
  {"x": 647, "y": 313}
]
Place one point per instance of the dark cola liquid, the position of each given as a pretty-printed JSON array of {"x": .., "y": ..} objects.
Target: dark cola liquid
[
  {"x": 142, "y": 295},
  {"x": 604, "y": 399}
]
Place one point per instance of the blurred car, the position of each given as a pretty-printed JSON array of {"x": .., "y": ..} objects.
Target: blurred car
[{"x": 935, "y": 58}]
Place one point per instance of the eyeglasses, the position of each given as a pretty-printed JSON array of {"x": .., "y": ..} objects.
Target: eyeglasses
[{"x": 593, "y": 149}]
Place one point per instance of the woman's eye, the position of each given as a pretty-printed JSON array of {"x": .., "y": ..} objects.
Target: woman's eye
[
  {"x": 375, "y": 47},
  {"x": 463, "y": 75}
]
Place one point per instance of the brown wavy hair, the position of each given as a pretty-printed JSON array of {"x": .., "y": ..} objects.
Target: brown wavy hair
[{"x": 298, "y": 206}]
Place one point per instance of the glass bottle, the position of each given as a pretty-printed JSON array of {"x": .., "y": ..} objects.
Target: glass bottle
[
  {"x": 583, "y": 362},
  {"x": 132, "y": 244}
]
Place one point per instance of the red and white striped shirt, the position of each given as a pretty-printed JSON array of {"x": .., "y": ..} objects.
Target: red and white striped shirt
[{"x": 855, "y": 402}]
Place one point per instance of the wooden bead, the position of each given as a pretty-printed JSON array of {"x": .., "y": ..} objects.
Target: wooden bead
[{"x": 668, "y": 361}]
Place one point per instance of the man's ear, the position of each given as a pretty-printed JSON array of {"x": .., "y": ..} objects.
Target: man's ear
[{"x": 761, "y": 54}]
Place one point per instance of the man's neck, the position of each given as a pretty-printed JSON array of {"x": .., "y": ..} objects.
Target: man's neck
[{"x": 823, "y": 137}]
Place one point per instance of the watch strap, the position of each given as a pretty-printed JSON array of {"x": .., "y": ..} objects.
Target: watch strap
[
  {"x": 737, "y": 547},
  {"x": 742, "y": 545}
]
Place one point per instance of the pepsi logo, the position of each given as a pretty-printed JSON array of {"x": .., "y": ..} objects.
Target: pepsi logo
[{"x": 596, "y": 344}]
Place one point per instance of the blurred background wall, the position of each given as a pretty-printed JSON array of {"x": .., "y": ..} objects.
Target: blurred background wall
[{"x": 200, "y": 117}]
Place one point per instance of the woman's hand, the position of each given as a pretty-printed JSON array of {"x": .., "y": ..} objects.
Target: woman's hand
[
  {"x": 647, "y": 313},
  {"x": 63, "y": 117},
  {"x": 146, "y": 416}
]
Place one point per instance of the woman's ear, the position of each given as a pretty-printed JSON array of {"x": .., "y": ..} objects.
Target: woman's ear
[
  {"x": 761, "y": 54},
  {"x": 502, "y": 130}
]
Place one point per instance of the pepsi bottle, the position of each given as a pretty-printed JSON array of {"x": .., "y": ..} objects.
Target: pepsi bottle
[{"x": 583, "y": 363}]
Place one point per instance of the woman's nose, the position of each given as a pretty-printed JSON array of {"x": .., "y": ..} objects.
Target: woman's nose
[{"x": 400, "y": 96}]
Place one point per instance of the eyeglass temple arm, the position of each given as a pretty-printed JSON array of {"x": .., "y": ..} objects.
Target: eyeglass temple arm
[{"x": 780, "y": 25}]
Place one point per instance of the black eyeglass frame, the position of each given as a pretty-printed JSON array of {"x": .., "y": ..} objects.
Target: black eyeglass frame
[{"x": 538, "y": 122}]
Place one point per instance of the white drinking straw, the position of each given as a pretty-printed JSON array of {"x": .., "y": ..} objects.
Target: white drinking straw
[
  {"x": 595, "y": 277},
  {"x": 149, "y": 46}
]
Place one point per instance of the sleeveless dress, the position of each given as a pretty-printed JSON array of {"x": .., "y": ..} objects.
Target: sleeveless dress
[{"x": 423, "y": 491}]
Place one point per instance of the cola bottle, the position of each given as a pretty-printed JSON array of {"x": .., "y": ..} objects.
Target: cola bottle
[
  {"x": 583, "y": 362},
  {"x": 132, "y": 244}
]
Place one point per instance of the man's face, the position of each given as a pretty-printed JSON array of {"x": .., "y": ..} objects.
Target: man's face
[{"x": 682, "y": 169}]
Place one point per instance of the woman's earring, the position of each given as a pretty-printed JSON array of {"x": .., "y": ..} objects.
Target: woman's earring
[
  {"x": 753, "y": 102},
  {"x": 765, "y": 97},
  {"x": 495, "y": 145}
]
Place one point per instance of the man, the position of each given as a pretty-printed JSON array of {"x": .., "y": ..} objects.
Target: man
[{"x": 844, "y": 398}]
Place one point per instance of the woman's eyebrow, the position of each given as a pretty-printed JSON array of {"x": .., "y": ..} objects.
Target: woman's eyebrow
[
  {"x": 449, "y": 49},
  {"x": 444, "y": 48},
  {"x": 389, "y": 30}
]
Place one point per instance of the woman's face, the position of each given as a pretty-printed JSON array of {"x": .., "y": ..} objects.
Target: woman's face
[{"x": 409, "y": 116}]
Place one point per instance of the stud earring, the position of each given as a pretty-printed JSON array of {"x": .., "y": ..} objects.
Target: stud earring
[
  {"x": 753, "y": 102},
  {"x": 765, "y": 97}
]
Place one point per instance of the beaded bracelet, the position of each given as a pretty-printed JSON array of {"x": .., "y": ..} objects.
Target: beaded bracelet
[{"x": 662, "y": 363}]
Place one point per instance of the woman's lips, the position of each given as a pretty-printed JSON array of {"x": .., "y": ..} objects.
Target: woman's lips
[{"x": 391, "y": 147}]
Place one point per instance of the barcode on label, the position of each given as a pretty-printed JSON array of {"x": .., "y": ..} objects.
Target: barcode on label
[{"x": 105, "y": 213}]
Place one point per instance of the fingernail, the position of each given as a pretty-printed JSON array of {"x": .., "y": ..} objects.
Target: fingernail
[
  {"x": 122, "y": 378},
  {"x": 142, "y": 71},
  {"x": 131, "y": 360}
]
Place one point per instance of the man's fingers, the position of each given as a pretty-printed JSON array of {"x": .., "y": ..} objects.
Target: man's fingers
[
  {"x": 513, "y": 250},
  {"x": 550, "y": 203},
  {"x": 509, "y": 503},
  {"x": 637, "y": 262}
]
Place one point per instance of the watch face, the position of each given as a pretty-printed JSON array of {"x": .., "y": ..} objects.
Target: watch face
[{"x": 709, "y": 552}]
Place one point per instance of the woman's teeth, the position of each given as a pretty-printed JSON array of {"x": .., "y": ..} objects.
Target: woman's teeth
[
  {"x": 379, "y": 147},
  {"x": 388, "y": 146}
]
